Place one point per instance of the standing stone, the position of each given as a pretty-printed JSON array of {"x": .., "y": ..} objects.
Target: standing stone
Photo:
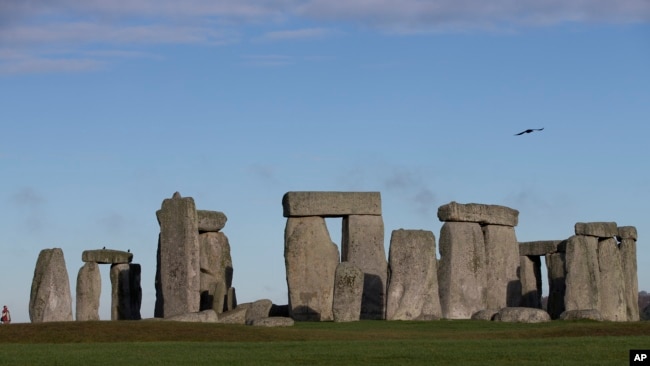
[
  {"x": 555, "y": 265},
  {"x": 216, "y": 269},
  {"x": 461, "y": 272},
  {"x": 348, "y": 291},
  {"x": 179, "y": 256},
  {"x": 413, "y": 285},
  {"x": 613, "y": 306},
  {"x": 89, "y": 288},
  {"x": 50, "y": 299},
  {"x": 627, "y": 236},
  {"x": 310, "y": 259},
  {"x": 363, "y": 246},
  {"x": 530, "y": 272},
  {"x": 126, "y": 293},
  {"x": 583, "y": 274},
  {"x": 231, "y": 299},
  {"x": 502, "y": 257}
]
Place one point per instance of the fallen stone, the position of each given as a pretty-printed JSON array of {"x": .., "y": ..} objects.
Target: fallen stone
[
  {"x": 613, "y": 306},
  {"x": 310, "y": 261},
  {"x": 502, "y": 266},
  {"x": 598, "y": 229},
  {"x": 485, "y": 314},
  {"x": 210, "y": 221},
  {"x": 89, "y": 288},
  {"x": 235, "y": 316},
  {"x": 530, "y": 272},
  {"x": 275, "y": 321},
  {"x": 479, "y": 213},
  {"x": 461, "y": 270},
  {"x": 106, "y": 256},
  {"x": 413, "y": 288},
  {"x": 522, "y": 315},
  {"x": 205, "y": 316},
  {"x": 626, "y": 232},
  {"x": 179, "y": 265},
  {"x": 348, "y": 291},
  {"x": 50, "y": 299},
  {"x": 582, "y": 273},
  {"x": 542, "y": 247},
  {"x": 590, "y": 314},
  {"x": 331, "y": 204},
  {"x": 258, "y": 309},
  {"x": 363, "y": 245},
  {"x": 555, "y": 266}
]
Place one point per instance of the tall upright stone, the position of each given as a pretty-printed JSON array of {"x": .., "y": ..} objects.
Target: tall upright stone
[
  {"x": 530, "y": 273},
  {"x": 126, "y": 293},
  {"x": 413, "y": 284},
  {"x": 179, "y": 270},
  {"x": 89, "y": 288},
  {"x": 348, "y": 291},
  {"x": 627, "y": 236},
  {"x": 462, "y": 271},
  {"x": 363, "y": 245},
  {"x": 310, "y": 259},
  {"x": 502, "y": 257},
  {"x": 50, "y": 299},
  {"x": 555, "y": 265},
  {"x": 613, "y": 306},
  {"x": 583, "y": 273},
  {"x": 216, "y": 269}
]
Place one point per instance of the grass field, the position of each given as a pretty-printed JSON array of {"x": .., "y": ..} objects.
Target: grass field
[{"x": 359, "y": 343}]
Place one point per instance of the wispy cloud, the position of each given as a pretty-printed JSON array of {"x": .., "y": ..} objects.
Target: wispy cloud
[
  {"x": 298, "y": 34},
  {"x": 31, "y": 202}
]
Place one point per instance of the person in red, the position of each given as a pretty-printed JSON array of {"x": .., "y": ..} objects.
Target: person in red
[{"x": 6, "y": 316}]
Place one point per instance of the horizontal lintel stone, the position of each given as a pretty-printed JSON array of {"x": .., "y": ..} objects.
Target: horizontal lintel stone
[
  {"x": 106, "y": 256},
  {"x": 479, "y": 213},
  {"x": 599, "y": 229},
  {"x": 211, "y": 221},
  {"x": 542, "y": 247},
  {"x": 331, "y": 204},
  {"x": 627, "y": 232}
]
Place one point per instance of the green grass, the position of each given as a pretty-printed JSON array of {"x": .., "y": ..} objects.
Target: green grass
[{"x": 358, "y": 343}]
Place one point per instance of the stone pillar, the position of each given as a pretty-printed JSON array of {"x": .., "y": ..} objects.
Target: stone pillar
[
  {"x": 627, "y": 236},
  {"x": 310, "y": 259},
  {"x": 363, "y": 245},
  {"x": 89, "y": 288},
  {"x": 126, "y": 293},
  {"x": 502, "y": 257},
  {"x": 348, "y": 291},
  {"x": 179, "y": 257},
  {"x": 462, "y": 270},
  {"x": 50, "y": 299},
  {"x": 531, "y": 281},
  {"x": 613, "y": 305},
  {"x": 556, "y": 284},
  {"x": 583, "y": 274},
  {"x": 216, "y": 269}
]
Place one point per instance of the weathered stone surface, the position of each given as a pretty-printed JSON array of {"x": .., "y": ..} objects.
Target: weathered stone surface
[
  {"x": 522, "y": 315},
  {"x": 331, "y": 204},
  {"x": 627, "y": 249},
  {"x": 591, "y": 314},
  {"x": 485, "y": 314},
  {"x": 502, "y": 259},
  {"x": 126, "y": 293},
  {"x": 216, "y": 269},
  {"x": 413, "y": 287},
  {"x": 613, "y": 305},
  {"x": 555, "y": 266},
  {"x": 583, "y": 274},
  {"x": 542, "y": 247},
  {"x": 106, "y": 256},
  {"x": 234, "y": 316},
  {"x": 626, "y": 232},
  {"x": 599, "y": 229},
  {"x": 348, "y": 291},
  {"x": 205, "y": 316},
  {"x": 479, "y": 213},
  {"x": 231, "y": 299},
  {"x": 179, "y": 265},
  {"x": 258, "y": 309},
  {"x": 461, "y": 270},
  {"x": 531, "y": 281},
  {"x": 89, "y": 288},
  {"x": 363, "y": 245},
  {"x": 310, "y": 259},
  {"x": 274, "y": 321},
  {"x": 50, "y": 299},
  {"x": 210, "y": 221}
]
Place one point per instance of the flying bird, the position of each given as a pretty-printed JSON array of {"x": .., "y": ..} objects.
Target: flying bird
[
  {"x": 104, "y": 248},
  {"x": 529, "y": 131}
]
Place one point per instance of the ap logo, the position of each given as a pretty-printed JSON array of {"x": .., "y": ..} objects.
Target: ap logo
[{"x": 639, "y": 357}]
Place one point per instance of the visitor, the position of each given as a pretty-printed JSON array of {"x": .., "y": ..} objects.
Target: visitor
[{"x": 6, "y": 316}]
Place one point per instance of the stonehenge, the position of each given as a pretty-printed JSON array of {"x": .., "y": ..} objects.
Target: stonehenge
[{"x": 479, "y": 271}]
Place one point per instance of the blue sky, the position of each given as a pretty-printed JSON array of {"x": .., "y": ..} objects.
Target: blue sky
[{"x": 110, "y": 107}]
